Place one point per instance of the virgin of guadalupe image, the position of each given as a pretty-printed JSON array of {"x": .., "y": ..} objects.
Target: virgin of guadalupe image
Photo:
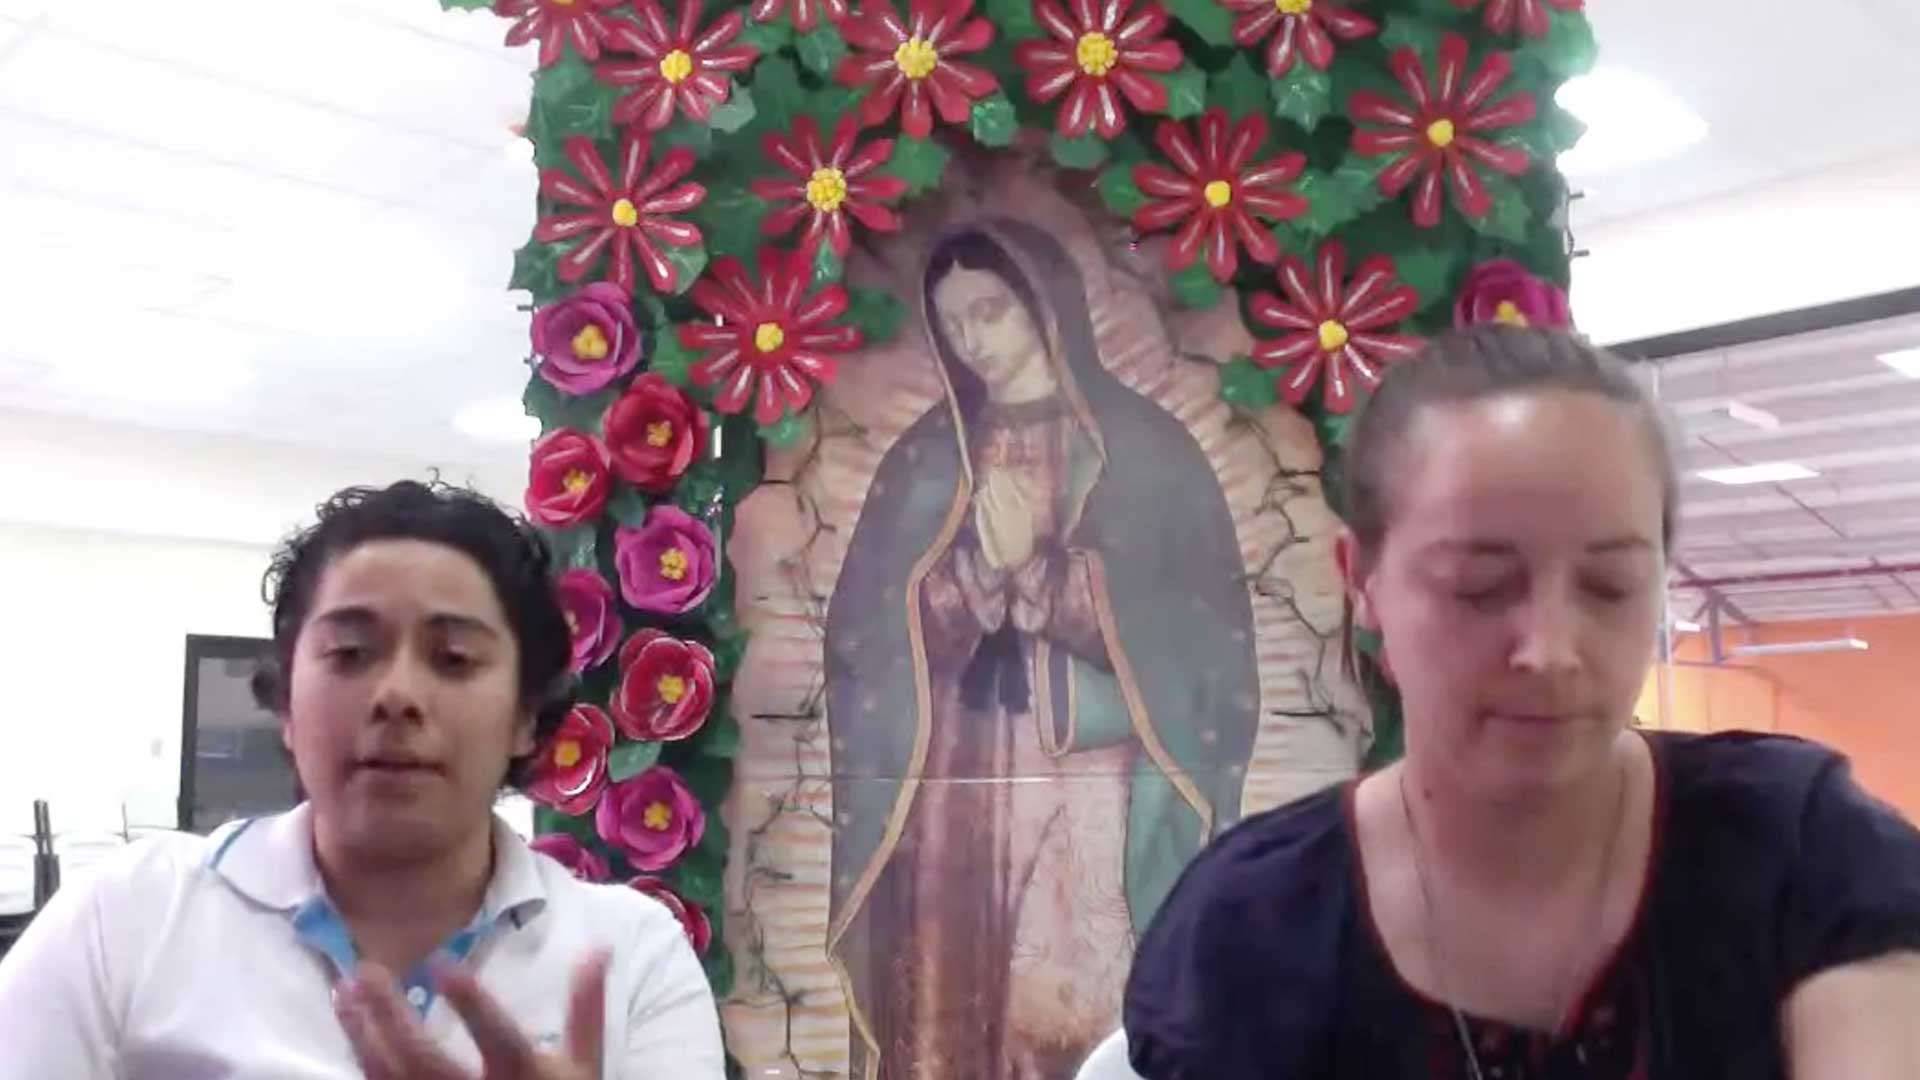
[{"x": 1041, "y": 683}]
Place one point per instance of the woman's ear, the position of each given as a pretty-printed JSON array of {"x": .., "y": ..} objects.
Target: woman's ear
[{"x": 1354, "y": 574}]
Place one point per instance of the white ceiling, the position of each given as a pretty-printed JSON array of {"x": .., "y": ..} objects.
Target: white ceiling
[{"x": 293, "y": 219}]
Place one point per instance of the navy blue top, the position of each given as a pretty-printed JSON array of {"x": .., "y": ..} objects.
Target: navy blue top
[{"x": 1769, "y": 865}]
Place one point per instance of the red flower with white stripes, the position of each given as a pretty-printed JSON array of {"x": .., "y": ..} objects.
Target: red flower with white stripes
[
  {"x": 1098, "y": 54},
  {"x": 1338, "y": 329},
  {"x": 628, "y": 213},
  {"x": 770, "y": 336},
  {"x": 1217, "y": 192},
  {"x": 823, "y": 187},
  {"x": 579, "y": 23},
  {"x": 1531, "y": 14},
  {"x": 1296, "y": 28},
  {"x": 674, "y": 65},
  {"x": 1442, "y": 127},
  {"x": 806, "y": 13},
  {"x": 910, "y": 63}
]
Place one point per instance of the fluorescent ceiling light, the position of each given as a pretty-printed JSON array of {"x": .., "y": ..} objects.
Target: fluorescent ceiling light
[
  {"x": 1631, "y": 120},
  {"x": 1758, "y": 474},
  {"x": 1686, "y": 626},
  {"x": 1906, "y": 362},
  {"x": 502, "y": 420},
  {"x": 1747, "y": 414},
  {"x": 1784, "y": 648}
]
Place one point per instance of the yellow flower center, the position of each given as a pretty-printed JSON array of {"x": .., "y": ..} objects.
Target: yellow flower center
[
  {"x": 576, "y": 481},
  {"x": 673, "y": 564},
  {"x": 657, "y": 816},
  {"x": 1293, "y": 7},
  {"x": 566, "y": 753},
  {"x": 659, "y": 433},
  {"x": 671, "y": 689},
  {"x": 768, "y": 337},
  {"x": 827, "y": 189},
  {"x": 561, "y": 3},
  {"x": 1509, "y": 313},
  {"x": 590, "y": 343},
  {"x": 625, "y": 214},
  {"x": 1333, "y": 335},
  {"x": 676, "y": 66},
  {"x": 1096, "y": 52},
  {"x": 1218, "y": 194},
  {"x": 1440, "y": 133},
  {"x": 916, "y": 58}
]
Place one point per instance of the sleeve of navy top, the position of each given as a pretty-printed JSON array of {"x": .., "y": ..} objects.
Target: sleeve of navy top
[
  {"x": 1233, "y": 978},
  {"x": 1854, "y": 891}
]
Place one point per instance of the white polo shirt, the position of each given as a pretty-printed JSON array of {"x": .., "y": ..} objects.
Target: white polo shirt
[{"x": 191, "y": 958}]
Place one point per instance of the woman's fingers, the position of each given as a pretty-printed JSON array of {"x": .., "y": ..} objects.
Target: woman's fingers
[
  {"x": 503, "y": 1048},
  {"x": 390, "y": 1034},
  {"x": 587, "y": 1011},
  {"x": 369, "y": 1050}
]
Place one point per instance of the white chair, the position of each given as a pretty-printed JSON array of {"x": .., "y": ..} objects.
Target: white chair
[
  {"x": 1108, "y": 1061},
  {"x": 79, "y": 851},
  {"x": 16, "y": 875}
]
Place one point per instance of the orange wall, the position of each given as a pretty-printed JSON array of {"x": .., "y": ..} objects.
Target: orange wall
[{"x": 1860, "y": 703}]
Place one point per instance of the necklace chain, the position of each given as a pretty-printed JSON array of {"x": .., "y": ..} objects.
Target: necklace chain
[{"x": 1569, "y": 978}]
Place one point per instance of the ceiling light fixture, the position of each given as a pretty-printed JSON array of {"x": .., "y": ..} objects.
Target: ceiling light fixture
[
  {"x": 1788, "y": 648},
  {"x": 1773, "y": 473},
  {"x": 499, "y": 420},
  {"x": 1631, "y": 120},
  {"x": 1747, "y": 414},
  {"x": 1906, "y": 362},
  {"x": 1686, "y": 626}
]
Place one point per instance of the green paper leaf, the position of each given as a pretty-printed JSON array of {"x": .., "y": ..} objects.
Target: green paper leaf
[
  {"x": 548, "y": 820},
  {"x": 719, "y": 963},
  {"x": 1238, "y": 88},
  {"x": 671, "y": 360},
  {"x": 1085, "y": 152},
  {"x": 1303, "y": 95},
  {"x": 1332, "y": 427},
  {"x": 1012, "y": 19},
  {"x": 876, "y": 312},
  {"x": 1429, "y": 271},
  {"x": 734, "y": 113},
  {"x": 567, "y": 101},
  {"x": 992, "y": 120},
  {"x": 1119, "y": 191},
  {"x": 1553, "y": 132},
  {"x": 1411, "y": 31},
  {"x": 788, "y": 430},
  {"x": 1212, "y": 22},
  {"x": 1508, "y": 218},
  {"x": 826, "y": 265},
  {"x": 720, "y": 737},
  {"x": 688, "y": 264},
  {"x": 1359, "y": 178},
  {"x": 729, "y": 219},
  {"x": 553, "y": 409},
  {"x": 1566, "y": 51},
  {"x": 1330, "y": 203},
  {"x": 573, "y": 549},
  {"x": 820, "y": 49},
  {"x": 627, "y": 506},
  {"x": 776, "y": 93},
  {"x": 692, "y": 134},
  {"x": 1186, "y": 91},
  {"x": 768, "y": 37},
  {"x": 1246, "y": 384},
  {"x": 917, "y": 161},
  {"x": 709, "y": 778},
  {"x": 533, "y": 270},
  {"x": 829, "y": 103},
  {"x": 466, "y": 5},
  {"x": 698, "y": 874},
  {"x": 629, "y": 759},
  {"x": 1195, "y": 287}
]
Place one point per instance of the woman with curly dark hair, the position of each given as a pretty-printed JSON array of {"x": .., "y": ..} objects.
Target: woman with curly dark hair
[{"x": 422, "y": 656}]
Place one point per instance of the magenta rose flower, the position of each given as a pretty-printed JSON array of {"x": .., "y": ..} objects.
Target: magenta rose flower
[
  {"x": 666, "y": 687},
  {"x": 692, "y": 919},
  {"x": 587, "y": 601},
  {"x": 568, "y": 478},
  {"x": 668, "y": 564},
  {"x": 573, "y": 855},
  {"x": 570, "y": 771},
  {"x": 587, "y": 340},
  {"x": 652, "y": 818},
  {"x": 1503, "y": 291}
]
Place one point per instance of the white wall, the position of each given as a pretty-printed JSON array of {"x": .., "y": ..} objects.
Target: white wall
[
  {"x": 1815, "y": 239},
  {"x": 116, "y": 543}
]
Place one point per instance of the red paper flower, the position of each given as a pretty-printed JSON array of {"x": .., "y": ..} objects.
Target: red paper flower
[
  {"x": 1504, "y": 291},
  {"x": 1102, "y": 54},
  {"x": 673, "y": 64},
  {"x": 805, "y": 12},
  {"x": 1217, "y": 192},
  {"x": 628, "y": 214},
  {"x": 770, "y": 334},
  {"x": 570, "y": 771},
  {"x": 823, "y": 188},
  {"x": 666, "y": 687},
  {"x": 653, "y": 432},
  {"x": 567, "y": 478},
  {"x": 692, "y": 919},
  {"x": 1336, "y": 325},
  {"x": 555, "y": 21},
  {"x": 1533, "y": 18},
  {"x": 1439, "y": 130},
  {"x": 909, "y": 63},
  {"x": 1299, "y": 27}
]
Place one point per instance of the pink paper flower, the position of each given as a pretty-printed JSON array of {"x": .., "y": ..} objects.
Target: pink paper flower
[
  {"x": 668, "y": 564},
  {"x": 652, "y": 818},
  {"x": 571, "y": 854},
  {"x": 665, "y": 689},
  {"x": 692, "y": 919},
  {"x": 587, "y": 601},
  {"x": 587, "y": 340},
  {"x": 570, "y": 771},
  {"x": 1503, "y": 291},
  {"x": 568, "y": 477}
]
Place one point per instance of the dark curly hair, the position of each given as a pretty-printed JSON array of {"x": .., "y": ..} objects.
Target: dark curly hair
[{"x": 513, "y": 556}]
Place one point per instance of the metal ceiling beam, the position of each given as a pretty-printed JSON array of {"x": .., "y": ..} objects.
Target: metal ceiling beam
[{"x": 1796, "y": 576}]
